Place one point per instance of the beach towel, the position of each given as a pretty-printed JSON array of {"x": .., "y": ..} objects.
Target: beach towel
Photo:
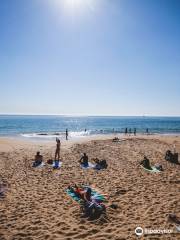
[
  {"x": 56, "y": 164},
  {"x": 153, "y": 170},
  {"x": 40, "y": 165},
  {"x": 90, "y": 165},
  {"x": 95, "y": 195}
]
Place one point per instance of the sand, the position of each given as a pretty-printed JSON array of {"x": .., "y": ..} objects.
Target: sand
[{"x": 36, "y": 205}]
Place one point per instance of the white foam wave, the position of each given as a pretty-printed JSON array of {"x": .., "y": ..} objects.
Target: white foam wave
[
  {"x": 54, "y": 135},
  {"x": 37, "y": 135},
  {"x": 79, "y": 134}
]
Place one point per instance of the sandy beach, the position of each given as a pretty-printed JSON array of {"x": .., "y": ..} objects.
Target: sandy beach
[{"x": 36, "y": 205}]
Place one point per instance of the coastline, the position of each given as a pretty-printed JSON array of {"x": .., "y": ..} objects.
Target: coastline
[{"x": 15, "y": 142}]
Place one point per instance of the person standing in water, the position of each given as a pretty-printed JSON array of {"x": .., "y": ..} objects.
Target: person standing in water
[
  {"x": 66, "y": 134},
  {"x": 147, "y": 131},
  {"x": 57, "y": 153},
  {"x": 126, "y": 131},
  {"x": 134, "y": 131}
]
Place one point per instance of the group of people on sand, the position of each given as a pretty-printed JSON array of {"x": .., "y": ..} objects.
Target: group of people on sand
[
  {"x": 169, "y": 156},
  {"x": 102, "y": 164},
  {"x": 99, "y": 164},
  {"x": 146, "y": 164},
  {"x": 39, "y": 158},
  {"x": 84, "y": 160},
  {"x": 89, "y": 204}
]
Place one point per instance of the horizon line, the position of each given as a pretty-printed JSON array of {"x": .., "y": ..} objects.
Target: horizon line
[{"x": 84, "y": 115}]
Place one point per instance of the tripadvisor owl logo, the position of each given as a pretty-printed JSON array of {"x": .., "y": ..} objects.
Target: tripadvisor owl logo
[{"x": 139, "y": 231}]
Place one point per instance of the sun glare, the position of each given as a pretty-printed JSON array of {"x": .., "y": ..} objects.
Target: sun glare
[
  {"x": 74, "y": 3},
  {"x": 75, "y": 7}
]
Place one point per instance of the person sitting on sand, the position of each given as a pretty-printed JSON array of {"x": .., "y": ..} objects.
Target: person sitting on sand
[
  {"x": 38, "y": 159},
  {"x": 173, "y": 158},
  {"x": 84, "y": 160},
  {"x": 169, "y": 156},
  {"x": 100, "y": 164},
  {"x": 146, "y": 163},
  {"x": 57, "y": 152}
]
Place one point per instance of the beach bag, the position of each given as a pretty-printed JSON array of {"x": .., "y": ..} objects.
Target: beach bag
[{"x": 50, "y": 161}]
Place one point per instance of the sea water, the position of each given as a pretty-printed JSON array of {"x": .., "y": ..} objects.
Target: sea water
[{"x": 49, "y": 127}]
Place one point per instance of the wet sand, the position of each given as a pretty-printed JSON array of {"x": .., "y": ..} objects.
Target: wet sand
[{"x": 36, "y": 205}]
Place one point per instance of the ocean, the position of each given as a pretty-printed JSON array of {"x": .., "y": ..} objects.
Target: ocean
[{"x": 49, "y": 127}]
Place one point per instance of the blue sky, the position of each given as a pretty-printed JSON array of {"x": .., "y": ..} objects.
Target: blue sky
[{"x": 100, "y": 57}]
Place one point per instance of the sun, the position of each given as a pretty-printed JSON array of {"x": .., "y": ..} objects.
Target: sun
[
  {"x": 74, "y": 3},
  {"x": 75, "y": 7}
]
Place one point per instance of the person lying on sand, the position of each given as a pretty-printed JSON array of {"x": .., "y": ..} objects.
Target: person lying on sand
[
  {"x": 100, "y": 164},
  {"x": 173, "y": 218},
  {"x": 90, "y": 206},
  {"x": 116, "y": 139},
  {"x": 38, "y": 159},
  {"x": 146, "y": 163},
  {"x": 84, "y": 160},
  {"x": 57, "y": 152},
  {"x": 159, "y": 167},
  {"x": 83, "y": 194}
]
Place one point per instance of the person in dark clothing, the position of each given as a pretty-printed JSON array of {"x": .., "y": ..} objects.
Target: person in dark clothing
[
  {"x": 57, "y": 152},
  {"x": 146, "y": 163},
  {"x": 38, "y": 159},
  {"x": 84, "y": 160},
  {"x": 170, "y": 157},
  {"x": 66, "y": 134},
  {"x": 126, "y": 131},
  {"x": 100, "y": 164},
  {"x": 134, "y": 131},
  {"x": 147, "y": 131}
]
